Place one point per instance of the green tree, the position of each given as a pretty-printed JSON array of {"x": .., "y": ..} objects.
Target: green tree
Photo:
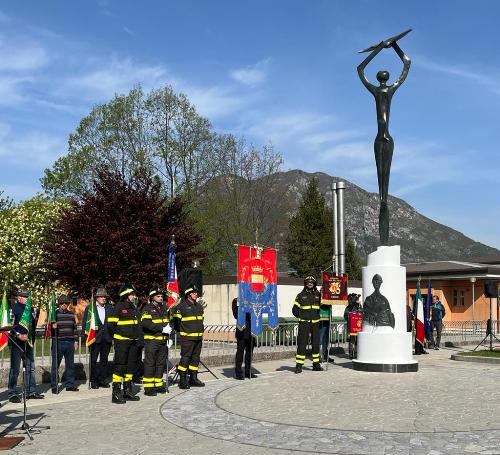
[
  {"x": 5, "y": 202},
  {"x": 23, "y": 228},
  {"x": 352, "y": 261},
  {"x": 308, "y": 245}
]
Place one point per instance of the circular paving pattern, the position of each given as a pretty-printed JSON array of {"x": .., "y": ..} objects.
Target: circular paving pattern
[{"x": 445, "y": 410}]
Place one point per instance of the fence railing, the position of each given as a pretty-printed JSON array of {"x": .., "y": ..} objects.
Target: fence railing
[{"x": 220, "y": 340}]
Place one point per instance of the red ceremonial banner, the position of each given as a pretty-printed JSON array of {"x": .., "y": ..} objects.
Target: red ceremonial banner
[
  {"x": 256, "y": 267},
  {"x": 355, "y": 322},
  {"x": 334, "y": 289}
]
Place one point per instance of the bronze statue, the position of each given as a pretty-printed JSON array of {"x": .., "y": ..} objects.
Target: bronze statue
[
  {"x": 376, "y": 309},
  {"x": 384, "y": 145}
]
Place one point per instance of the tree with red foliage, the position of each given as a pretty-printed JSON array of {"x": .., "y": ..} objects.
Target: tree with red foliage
[{"x": 119, "y": 233}]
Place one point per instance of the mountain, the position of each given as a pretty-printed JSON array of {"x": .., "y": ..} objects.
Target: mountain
[{"x": 421, "y": 238}]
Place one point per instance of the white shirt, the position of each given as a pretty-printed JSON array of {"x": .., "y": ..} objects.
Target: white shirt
[{"x": 101, "y": 310}]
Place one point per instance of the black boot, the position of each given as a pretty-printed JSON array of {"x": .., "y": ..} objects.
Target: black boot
[
  {"x": 183, "y": 380},
  {"x": 117, "y": 395},
  {"x": 161, "y": 388},
  {"x": 317, "y": 366},
  {"x": 150, "y": 391},
  {"x": 298, "y": 368},
  {"x": 194, "y": 381},
  {"x": 127, "y": 392}
]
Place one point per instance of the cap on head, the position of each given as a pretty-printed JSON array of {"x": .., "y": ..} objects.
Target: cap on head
[
  {"x": 155, "y": 291},
  {"x": 190, "y": 290},
  {"x": 310, "y": 279},
  {"x": 63, "y": 300},
  {"x": 101, "y": 292},
  {"x": 126, "y": 289},
  {"x": 21, "y": 291}
]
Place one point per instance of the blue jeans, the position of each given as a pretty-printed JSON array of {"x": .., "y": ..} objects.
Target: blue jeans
[
  {"x": 16, "y": 357},
  {"x": 66, "y": 349},
  {"x": 323, "y": 339}
]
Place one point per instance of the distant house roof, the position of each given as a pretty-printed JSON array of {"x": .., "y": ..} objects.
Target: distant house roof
[
  {"x": 490, "y": 259},
  {"x": 451, "y": 270}
]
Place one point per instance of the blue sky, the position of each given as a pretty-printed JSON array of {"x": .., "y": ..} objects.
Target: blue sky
[{"x": 280, "y": 72}]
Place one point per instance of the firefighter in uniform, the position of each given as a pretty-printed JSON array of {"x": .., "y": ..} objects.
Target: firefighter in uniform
[
  {"x": 123, "y": 326},
  {"x": 155, "y": 324},
  {"x": 188, "y": 323},
  {"x": 306, "y": 309}
]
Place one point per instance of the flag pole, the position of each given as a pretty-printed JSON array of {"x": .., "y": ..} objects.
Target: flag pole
[
  {"x": 56, "y": 346},
  {"x": 89, "y": 348}
]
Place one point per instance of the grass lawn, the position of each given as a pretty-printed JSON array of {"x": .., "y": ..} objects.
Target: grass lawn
[{"x": 481, "y": 353}]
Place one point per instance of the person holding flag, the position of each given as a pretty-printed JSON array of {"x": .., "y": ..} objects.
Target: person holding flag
[
  {"x": 64, "y": 343},
  {"x": 97, "y": 338},
  {"x": 25, "y": 320},
  {"x": 418, "y": 310}
]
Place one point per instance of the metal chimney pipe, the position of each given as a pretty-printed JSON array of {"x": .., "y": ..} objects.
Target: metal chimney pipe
[
  {"x": 335, "y": 232},
  {"x": 340, "y": 224}
]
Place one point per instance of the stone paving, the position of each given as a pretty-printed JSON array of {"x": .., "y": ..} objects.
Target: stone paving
[{"x": 446, "y": 408}]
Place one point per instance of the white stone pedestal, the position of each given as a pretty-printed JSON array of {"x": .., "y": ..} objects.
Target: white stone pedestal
[{"x": 382, "y": 348}]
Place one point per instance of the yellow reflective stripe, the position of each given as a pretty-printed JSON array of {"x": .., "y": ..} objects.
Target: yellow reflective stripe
[
  {"x": 315, "y": 356},
  {"x": 148, "y": 379},
  {"x": 128, "y": 376},
  {"x": 129, "y": 322},
  {"x": 192, "y": 368},
  {"x": 299, "y": 361},
  {"x": 298, "y": 356},
  {"x": 310, "y": 307},
  {"x": 192, "y": 318},
  {"x": 126, "y": 291},
  {"x": 309, "y": 320},
  {"x": 119, "y": 337},
  {"x": 117, "y": 378},
  {"x": 296, "y": 303},
  {"x": 112, "y": 319},
  {"x": 186, "y": 334},
  {"x": 148, "y": 385},
  {"x": 315, "y": 307},
  {"x": 158, "y": 382},
  {"x": 153, "y": 337},
  {"x": 177, "y": 315},
  {"x": 159, "y": 321},
  {"x": 181, "y": 368},
  {"x": 146, "y": 316}
]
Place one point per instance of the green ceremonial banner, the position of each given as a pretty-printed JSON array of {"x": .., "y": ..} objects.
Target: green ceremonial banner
[{"x": 26, "y": 319}]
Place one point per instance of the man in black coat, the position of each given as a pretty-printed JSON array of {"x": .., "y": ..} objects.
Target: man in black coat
[
  {"x": 245, "y": 343},
  {"x": 103, "y": 340}
]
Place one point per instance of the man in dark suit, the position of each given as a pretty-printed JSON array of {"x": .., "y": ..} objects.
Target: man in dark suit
[
  {"x": 103, "y": 339},
  {"x": 245, "y": 343}
]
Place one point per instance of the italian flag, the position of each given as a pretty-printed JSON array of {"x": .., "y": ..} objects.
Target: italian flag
[
  {"x": 51, "y": 316},
  {"x": 4, "y": 320},
  {"x": 419, "y": 312},
  {"x": 26, "y": 318},
  {"x": 91, "y": 323}
]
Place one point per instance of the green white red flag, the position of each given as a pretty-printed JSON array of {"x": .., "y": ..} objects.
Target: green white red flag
[
  {"x": 51, "y": 316},
  {"x": 4, "y": 320},
  {"x": 91, "y": 323},
  {"x": 26, "y": 319}
]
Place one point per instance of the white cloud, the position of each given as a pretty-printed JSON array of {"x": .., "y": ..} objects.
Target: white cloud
[
  {"x": 33, "y": 149},
  {"x": 21, "y": 56},
  {"x": 118, "y": 76},
  {"x": 252, "y": 75}
]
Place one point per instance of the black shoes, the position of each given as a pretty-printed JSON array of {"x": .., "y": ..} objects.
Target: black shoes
[
  {"x": 194, "y": 381},
  {"x": 127, "y": 392},
  {"x": 161, "y": 388},
  {"x": 94, "y": 385},
  {"x": 239, "y": 377},
  {"x": 317, "y": 367},
  {"x": 36, "y": 396},
  {"x": 72, "y": 389},
  {"x": 183, "y": 381},
  {"x": 298, "y": 369},
  {"x": 103, "y": 385},
  {"x": 55, "y": 391},
  {"x": 117, "y": 394},
  {"x": 15, "y": 399},
  {"x": 251, "y": 376},
  {"x": 150, "y": 392}
]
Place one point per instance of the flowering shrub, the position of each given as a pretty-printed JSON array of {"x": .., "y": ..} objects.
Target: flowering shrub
[{"x": 22, "y": 231}]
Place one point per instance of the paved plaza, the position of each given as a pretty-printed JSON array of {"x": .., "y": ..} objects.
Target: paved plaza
[{"x": 447, "y": 407}]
